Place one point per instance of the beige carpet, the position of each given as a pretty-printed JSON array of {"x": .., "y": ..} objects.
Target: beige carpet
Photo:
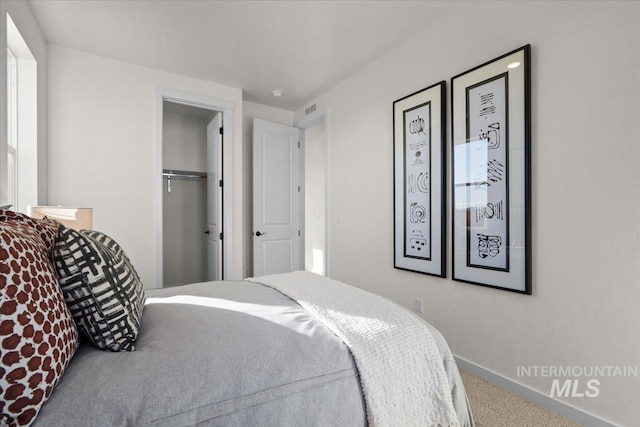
[{"x": 493, "y": 406}]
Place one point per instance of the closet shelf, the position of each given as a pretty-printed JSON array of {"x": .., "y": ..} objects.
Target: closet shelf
[{"x": 171, "y": 173}]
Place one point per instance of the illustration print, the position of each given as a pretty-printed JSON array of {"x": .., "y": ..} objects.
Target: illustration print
[
  {"x": 491, "y": 136},
  {"x": 488, "y": 192},
  {"x": 417, "y": 197},
  {"x": 418, "y": 213},
  {"x": 423, "y": 182},
  {"x": 495, "y": 171},
  {"x": 488, "y": 246},
  {"x": 489, "y": 211},
  {"x": 416, "y": 126},
  {"x": 417, "y": 241}
]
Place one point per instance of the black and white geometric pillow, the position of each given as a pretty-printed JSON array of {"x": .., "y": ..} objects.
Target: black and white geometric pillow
[
  {"x": 101, "y": 288},
  {"x": 110, "y": 244}
]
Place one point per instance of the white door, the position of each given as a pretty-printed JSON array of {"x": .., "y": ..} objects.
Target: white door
[
  {"x": 276, "y": 198},
  {"x": 214, "y": 198}
]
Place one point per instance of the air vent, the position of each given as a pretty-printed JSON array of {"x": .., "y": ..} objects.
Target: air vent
[{"x": 310, "y": 109}]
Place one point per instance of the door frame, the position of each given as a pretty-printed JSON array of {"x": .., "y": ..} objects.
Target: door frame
[
  {"x": 320, "y": 115},
  {"x": 226, "y": 108}
]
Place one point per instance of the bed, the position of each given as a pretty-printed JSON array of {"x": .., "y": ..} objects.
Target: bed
[
  {"x": 222, "y": 354},
  {"x": 295, "y": 349}
]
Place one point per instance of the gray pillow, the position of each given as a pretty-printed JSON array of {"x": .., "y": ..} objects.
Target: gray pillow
[{"x": 101, "y": 288}]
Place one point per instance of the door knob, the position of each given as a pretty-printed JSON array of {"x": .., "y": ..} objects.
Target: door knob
[
  {"x": 207, "y": 232},
  {"x": 260, "y": 234}
]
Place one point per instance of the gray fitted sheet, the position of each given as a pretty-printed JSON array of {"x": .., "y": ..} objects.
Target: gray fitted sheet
[{"x": 221, "y": 354}]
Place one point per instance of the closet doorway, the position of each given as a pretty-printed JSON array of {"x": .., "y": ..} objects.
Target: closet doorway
[
  {"x": 192, "y": 202},
  {"x": 185, "y": 216}
]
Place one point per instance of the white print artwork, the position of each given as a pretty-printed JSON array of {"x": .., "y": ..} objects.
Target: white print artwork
[
  {"x": 417, "y": 171},
  {"x": 487, "y": 175}
]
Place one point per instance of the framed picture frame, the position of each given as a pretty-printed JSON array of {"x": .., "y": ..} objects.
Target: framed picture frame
[
  {"x": 419, "y": 181},
  {"x": 490, "y": 173}
]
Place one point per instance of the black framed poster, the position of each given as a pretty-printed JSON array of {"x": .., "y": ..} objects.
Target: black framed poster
[
  {"x": 490, "y": 163},
  {"x": 418, "y": 159}
]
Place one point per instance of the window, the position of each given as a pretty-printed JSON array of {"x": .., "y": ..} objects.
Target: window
[
  {"x": 19, "y": 146},
  {"x": 12, "y": 129}
]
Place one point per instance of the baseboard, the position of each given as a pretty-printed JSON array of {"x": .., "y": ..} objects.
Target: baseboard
[{"x": 571, "y": 412}]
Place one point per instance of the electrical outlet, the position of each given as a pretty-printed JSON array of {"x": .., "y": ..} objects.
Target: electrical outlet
[{"x": 419, "y": 306}]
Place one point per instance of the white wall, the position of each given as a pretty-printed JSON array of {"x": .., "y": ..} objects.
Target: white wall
[
  {"x": 585, "y": 179},
  {"x": 102, "y": 147},
  {"x": 27, "y": 25},
  {"x": 254, "y": 111}
]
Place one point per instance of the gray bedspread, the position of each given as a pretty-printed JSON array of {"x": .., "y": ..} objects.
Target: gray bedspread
[{"x": 221, "y": 354}]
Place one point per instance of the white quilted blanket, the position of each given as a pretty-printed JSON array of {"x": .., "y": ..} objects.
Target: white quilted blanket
[{"x": 402, "y": 376}]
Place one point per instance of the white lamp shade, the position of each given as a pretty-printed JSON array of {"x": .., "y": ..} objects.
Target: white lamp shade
[{"x": 76, "y": 218}]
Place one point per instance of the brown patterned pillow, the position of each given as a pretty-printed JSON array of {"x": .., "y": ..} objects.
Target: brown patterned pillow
[
  {"x": 46, "y": 228},
  {"x": 37, "y": 334}
]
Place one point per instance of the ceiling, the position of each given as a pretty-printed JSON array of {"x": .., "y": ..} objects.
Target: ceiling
[{"x": 300, "y": 47}]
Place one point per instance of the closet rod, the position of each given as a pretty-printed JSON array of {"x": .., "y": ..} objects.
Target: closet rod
[
  {"x": 168, "y": 173},
  {"x": 183, "y": 174}
]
